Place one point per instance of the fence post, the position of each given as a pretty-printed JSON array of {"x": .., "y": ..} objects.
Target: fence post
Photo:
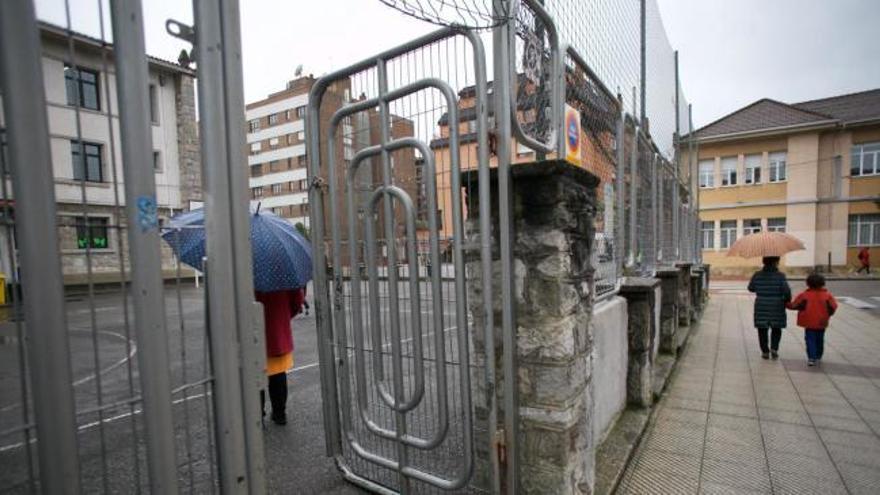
[
  {"x": 220, "y": 274},
  {"x": 147, "y": 288},
  {"x": 620, "y": 224},
  {"x": 655, "y": 227},
  {"x": 633, "y": 200},
  {"x": 21, "y": 80},
  {"x": 250, "y": 331}
]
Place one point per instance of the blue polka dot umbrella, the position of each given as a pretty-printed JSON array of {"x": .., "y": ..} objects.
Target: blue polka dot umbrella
[{"x": 282, "y": 257}]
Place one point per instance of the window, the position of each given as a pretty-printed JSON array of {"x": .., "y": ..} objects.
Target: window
[
  {"x": 274, "y": 166},
  {"x": 254, "y": 125},
  {"x": 728, "y": 171},
  {"x": 273, "y": 118},
  {"x": 776, "y": 224},
  {"x": 302, "y": 160},
  {"x": 865, "y": 159},
  {"x": 273, "y": 142},
  {"x": 708, "y": 231},
  {"x": 291, "y": 138},
  {"x": 753, "y": 169},
  {"x": 157, "y": 161},
  {"x": 257, "y": 170},
  {"x": 751, "y": 226},
  {"x": 154, "y": 104},
  {"x": 4, "y": 152},
  {"x": 303, "y": 185},
  {"x": 301, "y": 135},
  {"x": 277, "y": 188},
  {"x": 864, "y": 230},
  {"x": 707, "y": 173},
  {"x": 777, "y": 166},
  {"x": 257, "y": 192},
  {"x": 728, "y": 233},
  {"x": 301, "y": 112},
  {"x": 91, "y": 233},
  {"x": 255, "y": 148},
  {"x": 87, "y": 164},
  {"x": 82, "y": 87}
]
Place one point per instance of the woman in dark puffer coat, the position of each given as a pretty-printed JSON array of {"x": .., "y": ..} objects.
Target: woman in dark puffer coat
[{"x": 772, "y": 291}]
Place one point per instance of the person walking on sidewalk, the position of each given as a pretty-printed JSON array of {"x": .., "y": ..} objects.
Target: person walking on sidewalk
[
  {"x": 815, "y": 307},
  {"x": 864, "y": 260},
  {"x": 279, "y": 307},
  {"x": 772, "y": 291}
]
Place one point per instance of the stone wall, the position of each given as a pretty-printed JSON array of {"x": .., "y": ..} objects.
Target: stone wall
[{"x": 554, "y": 208}]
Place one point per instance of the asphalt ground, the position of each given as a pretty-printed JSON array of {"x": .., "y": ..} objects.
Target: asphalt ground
[{"x": 295, "y": 453}]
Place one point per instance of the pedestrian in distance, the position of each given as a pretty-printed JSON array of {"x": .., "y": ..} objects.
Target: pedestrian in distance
[
  {"x": 815, "y": 306},
  {"x": 772, "y": 293},
  {"x": 279, "y": 307},
  {"x": 864, "y": 260}
]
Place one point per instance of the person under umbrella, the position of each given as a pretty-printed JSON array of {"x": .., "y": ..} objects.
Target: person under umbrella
[
  {"x": 772, "y": 294},
  {"x": 769, "y": 284},
  {"x": 279, "y": 308},
  {"x": 282, "y": 266}
]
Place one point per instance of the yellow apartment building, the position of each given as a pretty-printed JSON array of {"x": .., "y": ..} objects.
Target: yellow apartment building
[{"x": 811, "y": 169}]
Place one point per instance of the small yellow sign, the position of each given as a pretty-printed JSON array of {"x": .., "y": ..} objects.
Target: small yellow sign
[{"x": 572, "y": 136}]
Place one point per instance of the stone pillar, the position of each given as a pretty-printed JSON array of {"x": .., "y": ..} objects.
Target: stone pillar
[
  {"x": 640, "y": 294},
  {"x": 188, "y": 150},
  {"x": 669, "y": 283},
  {"x": 685, "y": 308},
  {"x": 697, "y": 290},
  {"x": 554, "y": 209}
]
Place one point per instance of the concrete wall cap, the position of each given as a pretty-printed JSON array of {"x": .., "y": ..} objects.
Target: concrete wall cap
[
  {"x": 638, "y": 284},
  {"x": 537, "y": 169},
  {"x": 667, "y": 272}
]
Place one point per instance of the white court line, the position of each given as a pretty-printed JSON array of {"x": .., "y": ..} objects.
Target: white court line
[
  {"x": 89, "y": 426},
  {"x": 350, "y": 353},
  {"x": 90, "y": 376},
  {"x": 856, "y": 303}
]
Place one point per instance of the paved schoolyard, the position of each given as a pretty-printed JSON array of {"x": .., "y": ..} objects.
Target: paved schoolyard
[{"x": 731, "y": 422}]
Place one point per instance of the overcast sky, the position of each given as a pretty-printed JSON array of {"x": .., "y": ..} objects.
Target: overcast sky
[{"x": 731, "y": 52}]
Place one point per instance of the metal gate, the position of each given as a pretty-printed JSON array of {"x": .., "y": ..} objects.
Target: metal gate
[{"x": 389, "y": 139}]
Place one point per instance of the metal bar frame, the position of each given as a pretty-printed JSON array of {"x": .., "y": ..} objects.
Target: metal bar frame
[
  {"x": 505, "y": 118},
  {"x": 557, "y": 81},
  {"x": 330, "y": 345},
  {"x": 147, "y": 288},
  {"x": 21, "y": 80},
  {"x": 229, "y": 285}
]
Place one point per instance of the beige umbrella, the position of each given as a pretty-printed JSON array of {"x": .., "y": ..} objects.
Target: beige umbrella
[{"x": 765, "y": 244}]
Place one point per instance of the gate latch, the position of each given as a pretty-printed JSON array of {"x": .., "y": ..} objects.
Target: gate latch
[
  {"x": 500, "y": 447},
  {"x": 318, "y": 182}
]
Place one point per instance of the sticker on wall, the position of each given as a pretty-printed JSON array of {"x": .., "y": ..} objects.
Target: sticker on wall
[
  {"x": 572, "y": 136},
  {"x": 147, "y": 214}
]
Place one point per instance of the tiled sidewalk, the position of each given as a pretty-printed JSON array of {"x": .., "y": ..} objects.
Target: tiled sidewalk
[{"x": 731, "y": 422}]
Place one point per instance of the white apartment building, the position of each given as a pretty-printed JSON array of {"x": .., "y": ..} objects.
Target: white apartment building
[{"x": 276, "y": 140}]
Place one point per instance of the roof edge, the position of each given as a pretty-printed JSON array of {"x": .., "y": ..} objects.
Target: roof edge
[
  {"x": 56, "y": 30},
  {"x": 769, "y": 131}
]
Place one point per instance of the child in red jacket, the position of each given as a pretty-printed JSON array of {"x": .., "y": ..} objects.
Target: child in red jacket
[{"x": 815, "y": 307}]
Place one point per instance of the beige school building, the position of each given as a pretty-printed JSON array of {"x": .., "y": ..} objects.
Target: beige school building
[{"x": 811, "y": 169}]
